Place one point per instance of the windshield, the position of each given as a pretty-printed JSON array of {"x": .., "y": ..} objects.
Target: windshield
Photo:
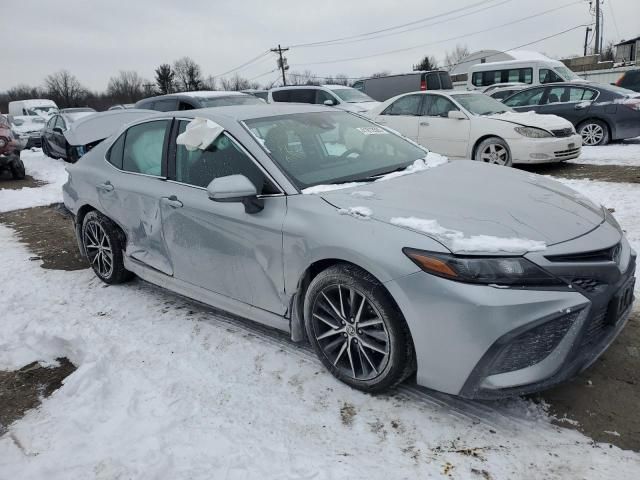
[
  {"x": 479, "y": 104},
  {"x": 332, "y": 147},
  {"x": 230, "y": 100},
  {"x": 41, "y": 110},
  {"x": 351, "y": 95},
  {"x": 566, "y": 73}
]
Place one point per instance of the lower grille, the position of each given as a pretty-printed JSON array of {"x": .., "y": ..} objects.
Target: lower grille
[
  {"x": 563, "y": 132},
  {"x": 567, "y": 153},
  {"x": 590, "y": 285},
  {"x": 596, "y": 328},
  {"x": 533, "y": 346}
]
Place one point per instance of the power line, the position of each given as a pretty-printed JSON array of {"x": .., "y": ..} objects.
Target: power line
[
  {"x": 239, "y": 67},
  {"x": 299, "y": 45},
  {"x": 388, "y": 52},
  {"x": 613, "y": 17}
]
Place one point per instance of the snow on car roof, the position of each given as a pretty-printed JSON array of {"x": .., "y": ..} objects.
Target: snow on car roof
[
  {"x": 41, "y": 102},
  {"x": 209, "y": 93},
  {"x": 336, "y": 87}
]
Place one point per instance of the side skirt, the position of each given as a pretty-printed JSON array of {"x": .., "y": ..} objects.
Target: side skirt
[{"x": 206, "y": 296}]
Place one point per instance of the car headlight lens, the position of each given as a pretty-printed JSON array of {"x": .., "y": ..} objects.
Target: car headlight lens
[
  {"x": 533, "y": 132},
  {"x": 511, "y": 271}
]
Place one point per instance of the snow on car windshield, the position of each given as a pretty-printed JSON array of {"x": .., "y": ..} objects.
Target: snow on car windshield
[
  {"x": 351, "y": 95},
  {"x": 319, "y": 148},
  {"x": 480, "y": 104}
]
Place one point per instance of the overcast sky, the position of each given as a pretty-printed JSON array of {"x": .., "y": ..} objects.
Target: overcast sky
[{"x": 95, "y": 39}]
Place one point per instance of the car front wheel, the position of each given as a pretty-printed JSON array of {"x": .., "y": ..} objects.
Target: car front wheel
[
  {"x": 594, "y": 132},
  {"x": 494, "y": 150},
  {"x": 356, "y": 329},
  {"x": 104, "y": 245}
]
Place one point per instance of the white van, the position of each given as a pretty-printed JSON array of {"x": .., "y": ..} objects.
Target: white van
[
  {"x": 532, "y": 72},
  {"x": 35, "y": 107}
]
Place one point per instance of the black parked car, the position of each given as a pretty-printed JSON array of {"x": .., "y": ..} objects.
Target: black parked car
[
  {"x": 54, "y": 144},
  {"x": 630, "y": 79},
  {"x": 599, "y": 112},
  {"x": 193, "y": 100}
]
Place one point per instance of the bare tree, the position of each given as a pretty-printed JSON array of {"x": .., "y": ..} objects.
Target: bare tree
[
  {"x": 302, "y": 78},
  {"x": 127, "y": 87},
  {"x": 210, "y": 83},
  {"x": 188, "y": 74},
  {"x": 165, "y": 78},
  {"x": 608, "y": 53},
  {"x": 235, "y": 83},
  {"x": 65, "y": 89},
  {"x": 24, "y": 92},
  {"x": 341, "y": 79},
  {"x": 452, "y": 58}
]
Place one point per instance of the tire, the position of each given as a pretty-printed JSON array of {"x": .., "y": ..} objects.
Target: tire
[
  {"x": 17, "y": 168},
  {"x": 594, "y": 132},
  {"x": 374, "y": 358},
  {"x": 494, "y": 150},
  {"x": 104, "y": 243},
  {"x": 44, "y": 147}
]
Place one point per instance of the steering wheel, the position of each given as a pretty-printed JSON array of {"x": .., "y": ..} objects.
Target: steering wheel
[{"x": 350, "y": 151}]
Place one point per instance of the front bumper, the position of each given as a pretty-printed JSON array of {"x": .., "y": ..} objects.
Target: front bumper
[
  {"x": 485, "y": 342},
  {"x": 545, "y": 150}
]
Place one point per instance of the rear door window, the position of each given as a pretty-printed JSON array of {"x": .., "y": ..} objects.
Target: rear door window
[
  {"x": 144, "y": 148},
  {"x": 185, "y": 106},
  {"x": 322, "y": 96},
  {"x": 281, "y": 96},
  {"x": 407, "y": 105},
  {"x": 303, "y": 95}
]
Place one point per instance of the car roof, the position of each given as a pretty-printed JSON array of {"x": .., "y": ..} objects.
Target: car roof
[
  {"x": 336, "y": 87},
  {"x": 296, "y": 87},
  {"x": 248, "y": 112},
  {"x": 197, "y": 94}
]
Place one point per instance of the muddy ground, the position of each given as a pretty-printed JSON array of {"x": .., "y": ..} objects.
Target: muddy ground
[
  {"x": 7, "y": 181},
  {"x": 603, "y": 173}
]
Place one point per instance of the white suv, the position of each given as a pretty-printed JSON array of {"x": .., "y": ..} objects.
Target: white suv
[{"x": 344, "y": 98}]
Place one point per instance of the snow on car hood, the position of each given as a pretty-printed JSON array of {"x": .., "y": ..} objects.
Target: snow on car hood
[
  {"x": 470, "y": 206},
  {"x": 358, "y": 107},
  {"x": 533, "y": 119}
]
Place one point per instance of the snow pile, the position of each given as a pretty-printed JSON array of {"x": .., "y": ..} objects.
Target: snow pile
[
  {"x": 432, "y": 160},
  {"x": 41, "y": 168},
  {"x": 626, "y": 153},
  {"x": 199, "y": 134},
  {"x": 362, "y": 213},
  {"x": 474, "y": 243},
  {"x": 166, "y": 389}
]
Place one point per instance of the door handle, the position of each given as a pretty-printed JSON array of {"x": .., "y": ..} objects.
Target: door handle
[
  {"x": 172, "y": 201},
  {"x": 424, "y": 124},
  {"x": 106, "y": 186}
]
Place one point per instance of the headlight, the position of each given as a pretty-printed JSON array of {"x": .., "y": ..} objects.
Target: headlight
[
  {"x": 532, "y": 132},
  {"x": 514, "y": 271},
  {"x": 3, "y": 142}
]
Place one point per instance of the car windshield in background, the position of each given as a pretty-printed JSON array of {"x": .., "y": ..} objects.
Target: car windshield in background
[
  {"x": 230, "y": 100},
  {"x": 480, "y": 104},
  {"x": 41, "y": 110},
  {"x": 351, "y": 95},
  {"x": 566, "y": 73},
  {"x": 332, "y": 147}
]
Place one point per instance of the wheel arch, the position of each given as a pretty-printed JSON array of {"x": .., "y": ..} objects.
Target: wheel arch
[
  {"x": 610, "y": 128},
  {"x": 474, "y": 150},
  {"x": 79, "y": 220}
]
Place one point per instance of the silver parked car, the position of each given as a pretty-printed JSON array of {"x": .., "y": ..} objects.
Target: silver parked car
[{"x": 389, "y": 260}]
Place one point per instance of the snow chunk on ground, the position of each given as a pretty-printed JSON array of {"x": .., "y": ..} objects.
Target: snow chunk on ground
[
  {"x": 41, "y": 168},
  {"x": 432, "y": 160},
  {"x": 474, "y": 243},
  {"x": 199, "y": 134},
  {"x": 362, "y": 213}
]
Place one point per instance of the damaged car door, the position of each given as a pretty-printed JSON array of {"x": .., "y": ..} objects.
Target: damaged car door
[
  {"x": 131, "y": 195},
  {"x": 222, "y": 246}
]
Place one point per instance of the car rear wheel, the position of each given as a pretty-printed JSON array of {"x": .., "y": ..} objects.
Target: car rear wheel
[
  {"x": 494, "y": 150},
  {"x": 356, "y": 329},
  {"x": 594, "y": 132},
  {"x": 17, "y": 168},
  {"x": 104, "y": 243}
]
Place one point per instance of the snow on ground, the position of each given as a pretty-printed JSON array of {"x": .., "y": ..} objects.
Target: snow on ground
[
  {"x": 625, "y": 153},
  {"x": 41, "y": 168},
  {"x": 165, "y": 389}
]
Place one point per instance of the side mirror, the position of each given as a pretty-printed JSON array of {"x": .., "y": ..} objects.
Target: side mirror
[
  {"x": 456, "y": 115},
  {"x": 236, "y": 188},
  {"x": 329, "y": 103}
]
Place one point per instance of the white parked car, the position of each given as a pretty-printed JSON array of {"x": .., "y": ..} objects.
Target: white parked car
[
  {"x": 476, "y": 126},
  {"x": 339, "y": 96}
]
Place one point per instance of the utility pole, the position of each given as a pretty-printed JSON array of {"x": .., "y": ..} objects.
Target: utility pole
[
  {"x": 597, "y": 49},
  {"x": 586, "y": 40},
  {"x": 282, "y": 62}
]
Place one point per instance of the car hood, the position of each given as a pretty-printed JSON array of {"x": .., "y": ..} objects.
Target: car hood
[
  {"x": 475, "y": 200},
  {"x": 358, "y": 107},
  {"x": 533, "y": 119}
]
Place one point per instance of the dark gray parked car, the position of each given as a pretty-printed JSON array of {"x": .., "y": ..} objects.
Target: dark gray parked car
[
  {"x": 390, "y": 260},
  {"x": 193, "y": 100},
  {"x": 599, "y": 112}
]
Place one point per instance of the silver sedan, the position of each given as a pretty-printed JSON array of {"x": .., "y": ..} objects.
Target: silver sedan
[{"x": 479, "y": 281}]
